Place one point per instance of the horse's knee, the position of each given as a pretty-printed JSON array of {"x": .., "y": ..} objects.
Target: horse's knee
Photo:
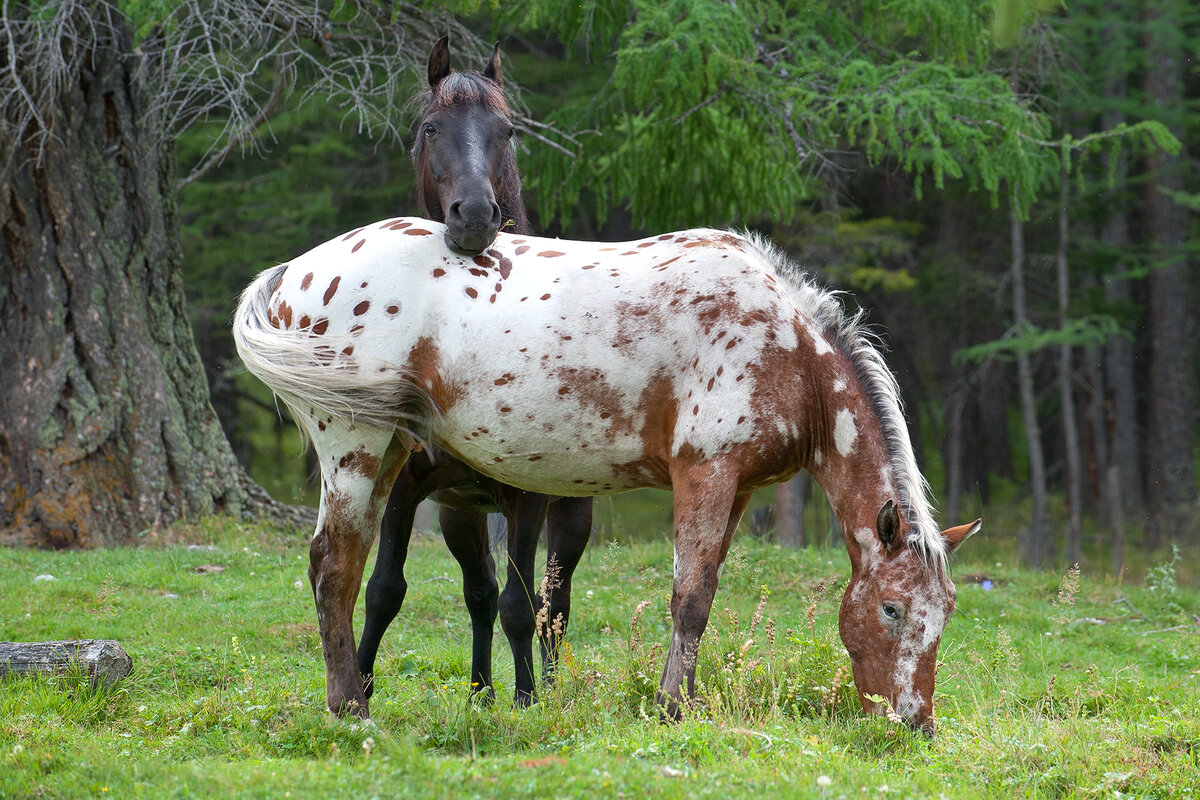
[
  {"x": 386, "y": 593},
  {"x": 516, "y": 613},
  {"x": 483, "y": 602}
]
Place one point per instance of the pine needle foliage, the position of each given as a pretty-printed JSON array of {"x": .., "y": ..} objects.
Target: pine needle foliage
[{"x": 722, "y": 113}]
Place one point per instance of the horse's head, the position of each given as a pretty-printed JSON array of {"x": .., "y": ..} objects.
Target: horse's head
[
  {"x": 463, "y": 152},
  {"x": 893, "y": 613}
]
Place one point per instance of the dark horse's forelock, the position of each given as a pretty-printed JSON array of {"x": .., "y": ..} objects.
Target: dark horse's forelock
[{"x": 465, "y": 90}]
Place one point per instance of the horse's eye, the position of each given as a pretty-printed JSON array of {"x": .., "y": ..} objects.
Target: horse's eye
[
  {"x": 511, "y": 132},
  {"x": 892, "y": 611},
  {"x": 428, "y": 130}
]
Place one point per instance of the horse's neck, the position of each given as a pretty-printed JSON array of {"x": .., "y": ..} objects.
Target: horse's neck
[
  {"x": 851, "y": 462},
  {"x": 512, "y": 204}
]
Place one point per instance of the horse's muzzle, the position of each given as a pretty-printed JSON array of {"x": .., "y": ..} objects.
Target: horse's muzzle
[{"x": 472, "y": 225}]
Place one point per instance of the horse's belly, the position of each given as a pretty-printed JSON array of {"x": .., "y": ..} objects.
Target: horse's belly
[{"x": 567, "y": 456}]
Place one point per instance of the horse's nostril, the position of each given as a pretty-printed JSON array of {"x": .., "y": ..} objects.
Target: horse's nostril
[{"x": 455, "y": 210}]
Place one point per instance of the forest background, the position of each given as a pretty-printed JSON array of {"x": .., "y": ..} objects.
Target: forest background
[{"x": 1010, "y": 190}]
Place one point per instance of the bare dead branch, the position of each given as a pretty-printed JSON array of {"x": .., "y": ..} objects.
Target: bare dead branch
[
  {"x": 231, "y": 63},
  {"x": 1125, "y": 601}
]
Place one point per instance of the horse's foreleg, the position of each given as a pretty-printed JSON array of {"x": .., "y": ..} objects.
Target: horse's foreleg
[
  {"x": 466, "y": 535},
  {"x": 569, "y": 526},
  {"x": 707, "y": 510},
  {"x": 519, "y": 603},
  {"x": 357, "y": 468},
  {"x": 387, "y": 587}
]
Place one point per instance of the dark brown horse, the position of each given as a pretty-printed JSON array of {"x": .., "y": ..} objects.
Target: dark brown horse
[{"x": 467, "y": 177}]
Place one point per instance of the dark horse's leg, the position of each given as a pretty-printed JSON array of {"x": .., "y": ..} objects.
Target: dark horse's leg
[
  {"x": 387, "y": 587},
  {"x": 466, "y": 536},
  {"x": 526, "y": 512},
  {"x": 569, "y": 526}
]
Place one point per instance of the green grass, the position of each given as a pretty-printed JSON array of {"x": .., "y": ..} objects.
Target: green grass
[{"x": 1037, "y": 697}]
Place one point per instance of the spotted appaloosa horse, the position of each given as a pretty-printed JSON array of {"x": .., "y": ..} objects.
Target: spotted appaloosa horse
[
  {"x": 466, "y": 176},
  {"x": 698, "y": 361}
]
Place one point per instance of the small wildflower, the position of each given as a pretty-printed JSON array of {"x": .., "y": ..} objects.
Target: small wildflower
[{"x": 823, "y": 781}]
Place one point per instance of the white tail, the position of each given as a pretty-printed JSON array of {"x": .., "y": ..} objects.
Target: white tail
[{"x": 302, "y": 371}]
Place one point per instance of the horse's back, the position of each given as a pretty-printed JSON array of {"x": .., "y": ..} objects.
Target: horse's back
[{"x": 568, "y": 368}]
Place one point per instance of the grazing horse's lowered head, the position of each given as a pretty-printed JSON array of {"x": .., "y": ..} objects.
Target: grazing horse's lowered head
[
  {"x": 893, "y": 612},
  {"x": 464, "y": 155}
]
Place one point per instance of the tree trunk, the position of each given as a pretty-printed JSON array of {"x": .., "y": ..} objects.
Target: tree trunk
[
  {"x": 790, "y": 497},
  {"x": 1035, "y": 541},
  {"x": 1114, "y": 236},
  {"x": 1065, "y": 387},
  {"x": 992, "y": 410},
  {"x": 1170, "y": 473},
  {"x": 954, "y": 453},
  {"x": 106, "y": 430}
]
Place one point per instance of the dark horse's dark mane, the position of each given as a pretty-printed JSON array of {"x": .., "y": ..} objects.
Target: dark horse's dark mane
[{"x": 461, "y": 89}]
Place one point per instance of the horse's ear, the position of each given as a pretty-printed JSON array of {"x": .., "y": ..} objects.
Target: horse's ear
[
  {"x": 887, "y": 525},
  {"x": 960, "y": 533},
  {"x": 439, "y": 61},
  {"x": 492, "y": 70}
]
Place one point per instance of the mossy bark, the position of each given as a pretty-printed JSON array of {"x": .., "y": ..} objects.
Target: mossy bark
[{"x": 106, "y": 430}]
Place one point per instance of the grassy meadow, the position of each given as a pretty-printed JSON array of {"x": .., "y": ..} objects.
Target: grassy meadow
[{"x": 1052, "y": 685}]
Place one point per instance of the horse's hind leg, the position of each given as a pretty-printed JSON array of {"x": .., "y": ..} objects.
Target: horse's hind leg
[
  {"x": 519, "y": 602},
  {"x": 569, "y": 526},
  {"x": 358, "y": 466},
  {"x": 387, "y": 587},
  {"x": 707, "y": 510},
  {"x": 466, "y": 535}
]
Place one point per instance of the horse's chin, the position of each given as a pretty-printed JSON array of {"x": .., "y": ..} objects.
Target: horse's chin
[{"x": 471, "y": 246}]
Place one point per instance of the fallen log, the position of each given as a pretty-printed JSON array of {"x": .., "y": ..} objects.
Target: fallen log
[{"x": 104, "y": 660}]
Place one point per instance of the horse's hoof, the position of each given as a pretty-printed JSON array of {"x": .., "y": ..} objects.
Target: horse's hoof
[{"x": 350, "y": 709}]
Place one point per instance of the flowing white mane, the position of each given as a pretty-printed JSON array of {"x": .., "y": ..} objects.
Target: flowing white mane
[{"x": 862, "y": 347}]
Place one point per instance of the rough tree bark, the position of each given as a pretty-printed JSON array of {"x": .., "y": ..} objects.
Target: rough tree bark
[{"x": 106, "y": 430}]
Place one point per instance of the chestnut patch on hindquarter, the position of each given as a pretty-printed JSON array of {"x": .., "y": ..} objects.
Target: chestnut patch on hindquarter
[
  {"x": 424, "y": 363},
  {"x": 360, "y": 462}
]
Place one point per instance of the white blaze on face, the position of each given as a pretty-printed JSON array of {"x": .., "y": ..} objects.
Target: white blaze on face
[
  {"x": 926, "y": 620},
  {"x": 845, "y": 432}
]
